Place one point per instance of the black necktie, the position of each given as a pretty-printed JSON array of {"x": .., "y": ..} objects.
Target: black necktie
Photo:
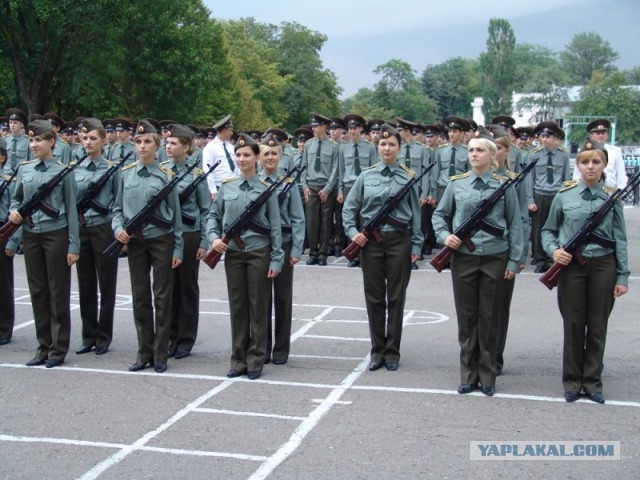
[
  {"x": 91, "y": 166},
  {"x": 356, "y": 159},
  {"x": 14, "y": 152},
  {"x": 121, "y": 152},
  {"x": 316, "y": 166},
  {"x": 550, "y": 168},
  {"x": 108, "y": 153},
  {"x": 452, "y": 162},
  {"x": 407, "y": 156},
  {"x": 232, "y": 167}
]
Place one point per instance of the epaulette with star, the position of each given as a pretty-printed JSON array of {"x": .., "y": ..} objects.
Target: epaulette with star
[
  {"x": 568, "y": 185},
  {"x": 166, "y": 161},
  {"x": 227, "y": 180},
  {"x": 27, "y": 162},
  {"x": 459, "y": 176},
  {"x": 410, "y": 172},
  {"x": 367, "y": 141},
  {"x": 442, "y": 145},
  {"x": 167, "y": 171},
  {"x": 109, "y": 163},
  {"x": 6, "y": 177},
  {"x": 562, "y": 149},
  {"x": 265, "y": 183},
  {"x": 609, "y": 190},
  {"x": 196, "y": 172},
  {"x": 73, "y": 162},
  {"x": 61, "y": 165},
  {"x": 536, "y": 150},
  {"x": 130, "y": 166},
  {"x": 372, "y": 166}
]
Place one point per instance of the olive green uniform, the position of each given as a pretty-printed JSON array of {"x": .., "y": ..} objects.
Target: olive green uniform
[
  {"x": 95, "y": 270},
  {"x": 585, "y": 292},
  {"x": 139, "y": 183},
  {"x": 478, "y": 276},
  {"x": 7, "y": 307},
  {"x": 247, "y": 268},
  {"x": 386, "y": 266},
  {"x": 17, "y": 150},
  {"x": 46, "y": 246}
]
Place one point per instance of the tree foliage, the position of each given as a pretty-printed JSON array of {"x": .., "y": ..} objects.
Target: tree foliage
[
  {"x": 498, "y": 68},
  {"x": 587, "y": 53},
  {"x": 452, "y": 84},
  {"x": 609, "y": 95},
  {"x": 537, "y": 69}
]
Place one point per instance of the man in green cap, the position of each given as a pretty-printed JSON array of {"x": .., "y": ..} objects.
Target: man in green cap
[{"x": 17, "y": 142}]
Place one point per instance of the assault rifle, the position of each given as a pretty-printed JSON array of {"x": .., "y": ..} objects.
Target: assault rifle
[
  {"x": 476, "y": 220},
  {"x": 384, "y": 215},
  {"x": 283, "y": 193},
  {"x": 7, "y": 182},
  {"x": 36, "y": 202},
  {"x": 586, "y": 233},
  {"x": 245, "y": 221},
  {"x": 88, "y": 198},
  {"x": 186, "y": 193},
  {"x": 134, "y": 226}
]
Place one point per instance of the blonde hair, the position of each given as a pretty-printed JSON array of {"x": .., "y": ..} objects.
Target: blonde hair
[
  {"x": 505, "y": 143},
  {"x": 589, "y": 154}
]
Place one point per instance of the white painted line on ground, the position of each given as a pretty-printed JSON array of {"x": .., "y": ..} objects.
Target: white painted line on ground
[
  {"x": 60, "y": 441},
  {"x": 329, "y": 337},
  {"x": 23, "y": 325},
  {"x": 338, "y": 402},
  {"x": 326, "y": 357},
  {"x": 309, "y": 423},
  {"x": 200, "y": 453},
  {"x": 117, "y": 457},
  {"x": 248, "y": 414},
  {"x": 318, "y": 318}
]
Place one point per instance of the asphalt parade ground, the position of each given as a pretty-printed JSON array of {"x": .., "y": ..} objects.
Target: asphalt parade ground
[{"x": 323, "y": 415}]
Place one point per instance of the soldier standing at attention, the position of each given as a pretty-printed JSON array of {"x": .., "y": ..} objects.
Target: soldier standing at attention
[
  {"x": 428, "y": 198},
  {"x": 478, "y": 276},
  {"x": 220, "y": 148},
  {"x": 140, "y": 182},
  {"x": 7, "y": 251},
  {"x": 354, "y": 156},
  {"x": 517, "y": 158},
  {"x": 386, "y": 266},
  {"x": 248, "y": 269},
  {"x": 194, "y": 211},
  {"x": 451, "y": 158},
  {"x": 17, "y": 142},
  {"x": 110, "y": 129},
  {"x": 586, "y": 293},
  {"x": 551, "y": 170},
  {"x": 293, "y": 223},
  {"x": 320, "y": 157},
  {"x": 124, "y": 145},
  {"x": 373, "y": 127},
  {"x": 95, "y": 270},
  {"x": 615, "y": 171},
  {"x": 61, "y": 151},
  {"x": 50, "y": 246}
]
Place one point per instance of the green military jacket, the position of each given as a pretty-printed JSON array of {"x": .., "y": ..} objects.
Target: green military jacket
[
  {"x": 5, "y": 202},
  {"x": 569, "y": 211},
  {"x": 321, "y": 169},
  {"x": 85, "y": 176},
  {"x": 367, "y": 156},
  {"x": 440, "y": 174},
  {"x": 559, "y": 169},
  {"x": 17, "y": 150}
]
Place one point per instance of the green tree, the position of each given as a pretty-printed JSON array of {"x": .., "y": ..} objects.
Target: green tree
[
  {"x": 498, "y": 68},
  {"x": 537, "y": 69},
  {"x": 633, "y": 76},
  {"x": 609, "y": 95},
  {"x": 587, "y": 53},
  {"x": 452, "y": 85}
]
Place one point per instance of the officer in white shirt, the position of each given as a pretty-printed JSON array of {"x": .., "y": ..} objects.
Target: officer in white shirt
[{"x": 220, "y": 148}]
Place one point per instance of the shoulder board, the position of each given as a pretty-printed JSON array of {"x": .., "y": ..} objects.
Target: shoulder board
[
  {"x": 512, "y": 175},
  {"x": 131, "y": 165},
  {"x": 608, "y": 189},
  {"x": 265, "y": 183},
  {"x": 109, "y": 163},
  {"x": 196, "y": 172},
  {"x": 73, "y": 163},
  {"x": 334, "y": 142},
  {"x": 562, "y": 149},
  {"x": 568, "y": 185},
  {"x": 29, "y": 161},
  {"x": 459, "y": 176},
  {"x": 367, "y": 141},
  {"x": 410, "y": 172},
  {"x": 8, "y": 177},
  {"x": 166, "y": 161},
  {"x": 372, "y": 166},
  {"x": 442, "y": 145},
  {"x": 61, "y": 165},
  {"x": 535, "y": 150},
  {"x": 501, "y": 178},
  {"x": 167, "y": 171},
  {"x": 428, "y": 148},
  {"x": 227, "y": 180}
]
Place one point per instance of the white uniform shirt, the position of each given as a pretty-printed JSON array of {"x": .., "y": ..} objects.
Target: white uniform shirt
[{"x": 213, "y": 152}]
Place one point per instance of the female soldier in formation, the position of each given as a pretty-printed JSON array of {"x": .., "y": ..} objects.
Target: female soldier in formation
[
  {"x": 586, "y": 293},
  {"x": 478, "y": 276},
  {"x": 386, "y": 266},
  {"x": 94, "y": 269},
  {"x": 293, "y": 230},
  {"x": 50, "y": 246},
  {"x": 503, "y": 170},
  {"x": 7, "y": 249},
  {"x": 140, "y": 182},
  {"x": 194, "y": 210},
  {"x": 248, "y": 269}
]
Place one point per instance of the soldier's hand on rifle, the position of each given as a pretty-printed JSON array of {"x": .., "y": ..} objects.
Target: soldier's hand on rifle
[
  {"x": 15, "y": 217},
  {"x": 453, "y": 242},
  {"x": 219, "y": 246},
  {"x": 561, "y": 256},
  {"x": 123, "y": 237},
  {"x": 360, "y": 239}
]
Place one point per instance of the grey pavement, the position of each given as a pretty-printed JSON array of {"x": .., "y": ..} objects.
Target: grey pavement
[{"x": 323, "y": 415}]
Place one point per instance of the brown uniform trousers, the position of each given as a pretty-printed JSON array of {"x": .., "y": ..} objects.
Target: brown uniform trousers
[
  {"x": 279, "y": 341},
  {"x": 7, "y": 306},
  {"x": 319, "y": 222}
]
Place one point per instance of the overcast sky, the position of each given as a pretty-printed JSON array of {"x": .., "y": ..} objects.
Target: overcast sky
[{"x": 365, "y": 34}]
